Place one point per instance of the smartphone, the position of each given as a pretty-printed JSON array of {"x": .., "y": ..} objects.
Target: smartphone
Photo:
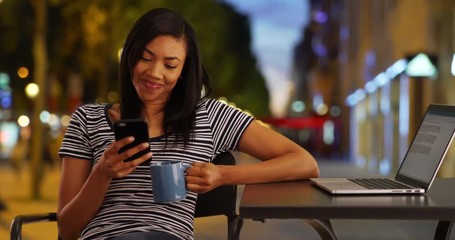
[{"x": 132, "y": 127}]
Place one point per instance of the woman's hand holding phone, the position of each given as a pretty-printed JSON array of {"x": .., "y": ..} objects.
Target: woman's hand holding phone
[
  {"x": 136, "y": 128},
  {"x": 130, "y": 149},
  {"x": 112, "y": 164}
]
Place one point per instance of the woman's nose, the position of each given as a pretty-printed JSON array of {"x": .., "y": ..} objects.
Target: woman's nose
[{"x": 155, "y": 70}]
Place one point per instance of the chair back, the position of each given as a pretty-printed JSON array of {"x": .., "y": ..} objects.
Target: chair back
[{"x": 221, "y": 200}]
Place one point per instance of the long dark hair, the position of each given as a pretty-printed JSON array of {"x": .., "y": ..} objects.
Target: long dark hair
[{"x": 193, "y": 85}]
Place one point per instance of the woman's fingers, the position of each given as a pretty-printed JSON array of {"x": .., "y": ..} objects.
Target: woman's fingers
[
  {"x": 202, "y": 177},
  {"x": 113, "y": 161},
  {"x": 117, "y": 145},
  {"x": 134, "y": 150}
]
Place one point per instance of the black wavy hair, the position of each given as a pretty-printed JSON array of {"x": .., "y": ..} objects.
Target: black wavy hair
[{"x": 194, "y": 82}]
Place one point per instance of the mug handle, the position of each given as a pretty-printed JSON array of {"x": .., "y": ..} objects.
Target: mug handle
[{"x": 186, "y": 165}]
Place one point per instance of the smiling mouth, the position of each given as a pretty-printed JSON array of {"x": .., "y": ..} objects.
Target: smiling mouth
[{"x": 151, "y": 84}]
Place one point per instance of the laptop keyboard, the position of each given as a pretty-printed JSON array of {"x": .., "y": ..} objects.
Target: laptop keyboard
[{"x": 378, "y": 183}]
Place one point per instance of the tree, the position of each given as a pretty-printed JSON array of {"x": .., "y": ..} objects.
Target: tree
[{"x": 39, "y": 76}]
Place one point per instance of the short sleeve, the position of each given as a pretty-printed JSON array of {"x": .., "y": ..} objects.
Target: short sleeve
[
  {"x": 76, "y": 141},
  {"x": 227, "y": 123}
]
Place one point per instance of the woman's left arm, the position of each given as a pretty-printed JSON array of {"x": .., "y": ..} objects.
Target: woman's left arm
[{"x": 282, "y": 160}]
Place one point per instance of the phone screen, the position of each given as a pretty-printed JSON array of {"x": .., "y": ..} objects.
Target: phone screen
[{"x": 132, "y": 127}]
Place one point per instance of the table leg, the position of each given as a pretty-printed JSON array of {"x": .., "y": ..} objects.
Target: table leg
[
  {"x": 323, "y": 228},
  {"x": 443, "y": 229}
]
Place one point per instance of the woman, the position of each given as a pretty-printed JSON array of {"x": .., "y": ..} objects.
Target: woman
[{"x": 164, "y": 83}]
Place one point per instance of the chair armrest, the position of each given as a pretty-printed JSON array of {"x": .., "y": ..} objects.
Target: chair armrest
[{"x": 16, "y": 225}]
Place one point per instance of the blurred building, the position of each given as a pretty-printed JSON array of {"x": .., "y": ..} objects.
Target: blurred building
[{"x": 355, "y": 55}]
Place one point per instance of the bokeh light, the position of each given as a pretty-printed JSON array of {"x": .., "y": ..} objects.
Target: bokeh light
[
  {"x": 65, "y": 120},
  {"x": 23, "y": 121},
  {"x": 32, "y": 90},
  {"x": 44, "y": 116},
  {"x": 22, "y": 72}
]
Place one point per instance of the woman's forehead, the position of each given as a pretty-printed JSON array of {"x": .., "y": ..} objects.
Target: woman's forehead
[{"x": 167, "y": 45}]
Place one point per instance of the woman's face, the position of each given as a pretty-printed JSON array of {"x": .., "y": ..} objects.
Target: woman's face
[{"x": 159, "y": 68}]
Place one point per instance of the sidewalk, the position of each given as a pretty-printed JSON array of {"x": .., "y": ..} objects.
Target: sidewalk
[{"x": 15, "y": 192}]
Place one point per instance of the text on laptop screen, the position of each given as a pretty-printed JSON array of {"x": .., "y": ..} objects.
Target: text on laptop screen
[{"x": 429, "y": 144}]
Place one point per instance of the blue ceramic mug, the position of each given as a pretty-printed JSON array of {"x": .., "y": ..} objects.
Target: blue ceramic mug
[{"x": 168, "y": 180}]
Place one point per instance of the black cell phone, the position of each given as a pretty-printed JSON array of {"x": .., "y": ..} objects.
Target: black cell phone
[{"x": 132, "y": 127}]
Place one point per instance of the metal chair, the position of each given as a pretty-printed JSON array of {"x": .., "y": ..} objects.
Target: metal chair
[{"x": 219, "y": 201}]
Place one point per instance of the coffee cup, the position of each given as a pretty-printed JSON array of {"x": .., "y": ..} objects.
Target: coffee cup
[{"x": 168, "y": 180}]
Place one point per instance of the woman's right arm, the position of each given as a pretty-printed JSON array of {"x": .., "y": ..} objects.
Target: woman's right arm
[
  {"x": 83, "y": 188},
  {"x": 81, "y": 194}
]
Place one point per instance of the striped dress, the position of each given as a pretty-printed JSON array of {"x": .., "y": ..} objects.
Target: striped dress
[{"x": 128, "y": 205}]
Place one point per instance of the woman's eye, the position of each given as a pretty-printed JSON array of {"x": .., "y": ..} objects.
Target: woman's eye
[
  {"x": 146, "y": 59},
  {"x": 170, "y": 66}
]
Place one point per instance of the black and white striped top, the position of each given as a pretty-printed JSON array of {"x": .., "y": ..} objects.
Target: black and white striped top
[{"x": 128, "y": 205}]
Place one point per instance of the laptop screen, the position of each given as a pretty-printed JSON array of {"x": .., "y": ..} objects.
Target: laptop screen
[{"x": 429, "y": 145}]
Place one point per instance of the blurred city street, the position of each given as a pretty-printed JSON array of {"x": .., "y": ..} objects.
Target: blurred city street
[
  {"x": 339, "y": 78},
  {"x": 15, "y": 193}
]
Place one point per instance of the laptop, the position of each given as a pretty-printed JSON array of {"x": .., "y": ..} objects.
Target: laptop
[{"x": 419, "y": 166}]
